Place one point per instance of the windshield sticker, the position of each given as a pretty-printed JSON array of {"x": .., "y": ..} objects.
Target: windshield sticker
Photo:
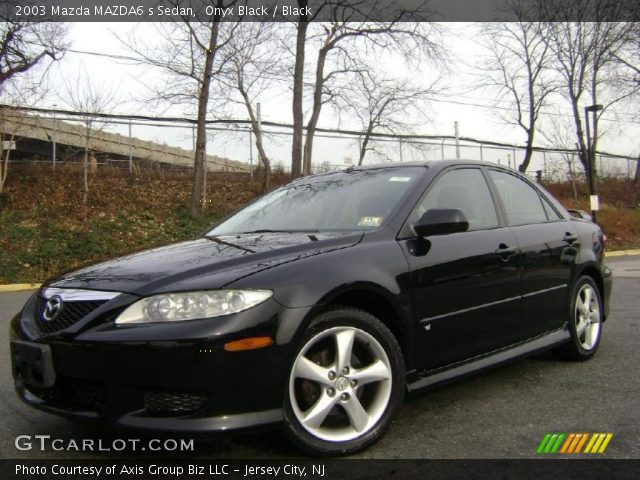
[
  {"x": 370, "y": 221},
  {"x": 400, "y": 179}
]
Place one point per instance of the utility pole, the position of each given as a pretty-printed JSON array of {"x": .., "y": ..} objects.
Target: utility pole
[
  {"x": 251, "y": 154},
  {"x": 53, "y": 137},
  {"x": 455, "y": 126},
  {"x": 130, "y": 150},
  {"x": 594, "y": 199}
]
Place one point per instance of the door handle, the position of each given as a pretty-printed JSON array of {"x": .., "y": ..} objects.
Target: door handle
[
  {"x": 570, "y": 238},
  {"x": 505, "y": 252}
]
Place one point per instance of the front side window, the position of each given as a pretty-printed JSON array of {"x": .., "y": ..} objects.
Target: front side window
[
  {"x": 521, "y": 201},
  {"x": 356, "y": 200},
  {"x": 464, "y": 189}
]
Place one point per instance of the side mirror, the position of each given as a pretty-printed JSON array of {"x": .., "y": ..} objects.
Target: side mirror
[
  {"x": 440, "y": 221},
  {"x": 581, "y": 214}
]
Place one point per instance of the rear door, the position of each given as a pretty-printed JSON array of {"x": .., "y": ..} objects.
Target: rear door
[
  {"x": 464, "y": 286},
  {"x": 548, "y": 244}
]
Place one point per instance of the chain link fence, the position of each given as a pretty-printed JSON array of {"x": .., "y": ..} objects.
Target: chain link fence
[{"x": 131, "y": 141}]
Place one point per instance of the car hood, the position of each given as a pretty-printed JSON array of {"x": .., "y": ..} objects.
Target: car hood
[{"x": 203, "y": 263}]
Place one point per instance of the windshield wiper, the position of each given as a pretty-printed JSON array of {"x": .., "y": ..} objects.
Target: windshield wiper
[
  {"x": 266, "y": 230},
  {"x": 222, "y": 242}
]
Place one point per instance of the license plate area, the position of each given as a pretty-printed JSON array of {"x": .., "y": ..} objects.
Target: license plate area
[{"x": 32, "y": 364}]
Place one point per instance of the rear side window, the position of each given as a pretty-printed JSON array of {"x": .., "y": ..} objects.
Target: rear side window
[
  {"x": 466, "y": 190},
  {"x": 521, "y": 201}
]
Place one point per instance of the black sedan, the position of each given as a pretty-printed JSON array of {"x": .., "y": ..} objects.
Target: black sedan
[{"x": 319, "y": 305}]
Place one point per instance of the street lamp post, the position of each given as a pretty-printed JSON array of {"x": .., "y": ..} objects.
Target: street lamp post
[{"x": 591, "y": 158}]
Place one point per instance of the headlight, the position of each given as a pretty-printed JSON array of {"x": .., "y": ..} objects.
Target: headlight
[{"x": 172, "y": 307}]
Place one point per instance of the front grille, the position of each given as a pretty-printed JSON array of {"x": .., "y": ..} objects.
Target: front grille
[
  {"x": 74, "y": 391},
  {"x": 167, "y": 402},
  {"x": 70, "y": 313}
]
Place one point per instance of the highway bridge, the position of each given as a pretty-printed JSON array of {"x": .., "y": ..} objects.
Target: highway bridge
[{"x": 34, "y": 136}]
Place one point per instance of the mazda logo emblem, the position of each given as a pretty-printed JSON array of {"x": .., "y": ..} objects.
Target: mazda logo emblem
[{"x": 52, "y": 308}]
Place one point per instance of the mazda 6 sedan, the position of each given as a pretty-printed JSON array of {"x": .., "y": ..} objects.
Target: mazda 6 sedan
[{"x": 319, "y": 305}]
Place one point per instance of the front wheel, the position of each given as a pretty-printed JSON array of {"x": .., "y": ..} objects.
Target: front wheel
[
  {"x": 345, "y": 383},
  {"x": 585, "y": 321}
]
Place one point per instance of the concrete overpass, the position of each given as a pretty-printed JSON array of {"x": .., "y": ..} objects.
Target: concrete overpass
[{"x": 35, "y": 134}]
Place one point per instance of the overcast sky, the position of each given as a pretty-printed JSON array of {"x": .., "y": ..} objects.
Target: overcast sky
[{"x": 472, "y": 109}]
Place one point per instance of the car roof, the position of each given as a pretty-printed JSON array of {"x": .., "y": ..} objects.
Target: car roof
[
  {"x": 427, "y": 163},
  {"x": 436, "y": 165}
]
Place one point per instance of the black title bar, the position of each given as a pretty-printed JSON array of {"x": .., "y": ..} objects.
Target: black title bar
[
  {"x": 319, "y": 469},
  {"x": 317, "y": 10}
]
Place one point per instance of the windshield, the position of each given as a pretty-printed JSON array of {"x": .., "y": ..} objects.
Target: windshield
[{"x": 341, "y": 201}]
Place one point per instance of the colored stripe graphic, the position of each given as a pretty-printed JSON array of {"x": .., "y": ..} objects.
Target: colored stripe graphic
[
  {"x": 567, "y": 443},
  {"x": 550, "y": 443},
  {"x": 598, "y": 442},
  {"x": 556, "y": 445},
  {"x": 573, "y": 443},
  {"x": 581, "y": 443},
  {"x": 543, "y": 443}
]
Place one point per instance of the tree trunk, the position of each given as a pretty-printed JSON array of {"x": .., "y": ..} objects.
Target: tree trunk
[
  {"x": 257, "y": 132},
  {"x": 572, "y": 178},
  {"x": 85, "y": 169},
  {"x": 298, "y": 92},
  {"x": 315, "y": 113},
  {"x": 85, "y": 177},
  {"x": 363, "y": 147},
  {"x": 582, "y": 146},
  {"x": 198, "y": 190},
  {"x": 4, "y": 170},
  {"x": 636, "y": 179},
  {"x": 266, "y": 181},
  {"x": 528, "y": 152}
]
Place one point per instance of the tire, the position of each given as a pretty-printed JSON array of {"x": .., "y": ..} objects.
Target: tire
[
  {"x": 585, "y": 321},
  {"x": 345, "y": 382}
]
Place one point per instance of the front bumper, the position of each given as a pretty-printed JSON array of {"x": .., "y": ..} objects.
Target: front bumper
[{"x": 147, "y": 376}]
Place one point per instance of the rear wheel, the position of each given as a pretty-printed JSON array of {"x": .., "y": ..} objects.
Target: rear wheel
[
  {"x": 345, "y": 383},
  {"x": 585, "y": 321}
]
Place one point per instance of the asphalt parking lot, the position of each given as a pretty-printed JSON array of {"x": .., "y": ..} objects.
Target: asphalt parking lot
[{"x": 503, "y": 413}]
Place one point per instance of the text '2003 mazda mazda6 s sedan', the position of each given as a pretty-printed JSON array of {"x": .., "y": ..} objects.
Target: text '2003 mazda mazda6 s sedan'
[{"x": 319, "y": 305}]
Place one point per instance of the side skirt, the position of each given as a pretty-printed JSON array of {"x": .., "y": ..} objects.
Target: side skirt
[{"x": 457, "y": 371}]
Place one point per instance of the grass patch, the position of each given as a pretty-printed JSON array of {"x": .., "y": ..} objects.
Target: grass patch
[{"x": 44, "y": 230}]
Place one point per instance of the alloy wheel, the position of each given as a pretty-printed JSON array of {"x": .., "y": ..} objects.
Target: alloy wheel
[
  {"x": 587, "y": 317},
  {"x": 340, "y": 384}
]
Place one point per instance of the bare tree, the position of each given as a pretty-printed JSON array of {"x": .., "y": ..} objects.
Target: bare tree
[
  {"x": 338, "y": 42},
  {"x": 6, "y": 146},
  {"x": 23, "y": 45},
  {"x": 190, "y": 57},
  {"x": 85, "y": 97},
  {"x": 17, "y": 94},
  {"x": 345, "y": 39},
  {"x": 519, "y": 68},
  {"x": 629, "y": 58},
  {"x": 559, "y": 135},
  {"x": 298, "y": 89},
  {"x": 384, "y": 105},
  {"x": 252, "y": 68},
  {"x": 585, "y": 38}
]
